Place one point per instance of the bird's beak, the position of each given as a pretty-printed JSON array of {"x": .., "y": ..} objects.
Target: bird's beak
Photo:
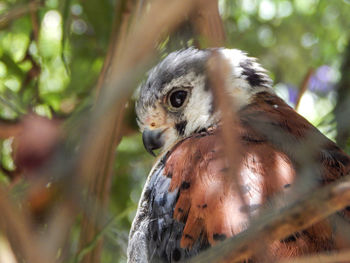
[{"x": 152, "y": 140}]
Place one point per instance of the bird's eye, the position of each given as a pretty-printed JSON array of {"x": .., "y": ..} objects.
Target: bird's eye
[{"x": 177, "y": 98}]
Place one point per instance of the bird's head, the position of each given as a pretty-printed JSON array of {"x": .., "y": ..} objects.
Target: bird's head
[{"x": 176, "y": 100}]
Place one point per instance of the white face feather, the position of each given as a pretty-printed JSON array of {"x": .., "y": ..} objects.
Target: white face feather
[
  {"x": 198, "y": 112},
  {"x": 237, "y": 86}
]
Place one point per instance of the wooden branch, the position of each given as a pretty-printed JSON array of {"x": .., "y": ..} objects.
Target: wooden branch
[
  {"x": 209, "y": 26},
  {"x": 219, "y": 71},
  {"x": 310, "y": 209},
  {"x": 18, "y": 12},
  {"x": 124, "y": 56},
  {"x": 15, "y": 225},
  {"x": 99, "y": 186},
  {"x": 35, "y": 20},
  {"x": 303, "y": 87},
  {"x": 9, "y": 128}
]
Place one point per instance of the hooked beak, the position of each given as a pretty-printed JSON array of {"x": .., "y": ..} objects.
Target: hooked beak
[{"x": 152, "y": 140}]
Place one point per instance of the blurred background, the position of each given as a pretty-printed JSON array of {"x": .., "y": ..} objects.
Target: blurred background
[{"x": 52, "y": 52}]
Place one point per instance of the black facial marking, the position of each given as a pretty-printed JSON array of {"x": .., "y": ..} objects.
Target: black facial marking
[
  {"x": 252, "y": 76},
  {"x": 185, "y": 185},
  {"x": 180, "y": 127},
  {"x": 219, "y": 237},
  {"x": 287, "y": 185}
]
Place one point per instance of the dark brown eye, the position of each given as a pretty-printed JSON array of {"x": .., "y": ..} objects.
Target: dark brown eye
[{"x": 177, "y": 98}]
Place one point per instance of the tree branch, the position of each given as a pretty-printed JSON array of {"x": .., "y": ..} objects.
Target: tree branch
[
  {"x": 18, "y": 231},
  {"x": 18, "y": 12},
  {"x": 303, "y": 87},
  {"x": 124, "y": 60},
  {"x": 99, "y": 186}
]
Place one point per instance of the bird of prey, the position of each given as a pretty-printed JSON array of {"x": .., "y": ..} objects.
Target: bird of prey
[{"x": 190, "y": 200}]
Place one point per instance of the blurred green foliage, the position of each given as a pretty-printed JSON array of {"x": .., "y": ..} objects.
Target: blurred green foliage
[{"x": 288, "y": 36}]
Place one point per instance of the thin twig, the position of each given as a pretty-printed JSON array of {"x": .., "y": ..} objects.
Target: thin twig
[
  {"x": 65, "y": 28},
  {"x": 9, "y": 128},
  {"x": 91, "y": 245},
  {"x": 18, "y": 12},
  {"x": 303, "y": 87},
  {"x": 35, "y": 20}
]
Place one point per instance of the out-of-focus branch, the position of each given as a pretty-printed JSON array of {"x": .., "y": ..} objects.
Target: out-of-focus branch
[
  {"x": 17, "y": 229},
  {"x": 219, "y": 71},
  {"x": 35, "y": 20},
  {"x": 303, "y": 87},
  {"x": 18, "y": 12},
  {"x": 35, "y": 69},
  {"x": 312, "y": 208},
  {"x": 9, "y": 128},
  {"x": 99, "y": 186},
  {"x": 341, "y": 256},
  {"x": 342, "y": 109},
  {"x": 208, "y": 25},
  {"x": 121, "y": 70},
  {"x": 127, "y": 67}
]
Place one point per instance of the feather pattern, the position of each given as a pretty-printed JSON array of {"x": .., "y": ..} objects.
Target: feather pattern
[{"x": 192, "y": 202}]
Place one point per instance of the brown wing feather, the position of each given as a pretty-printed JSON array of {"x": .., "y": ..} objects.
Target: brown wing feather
[{"x": 271, "y": 133}]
